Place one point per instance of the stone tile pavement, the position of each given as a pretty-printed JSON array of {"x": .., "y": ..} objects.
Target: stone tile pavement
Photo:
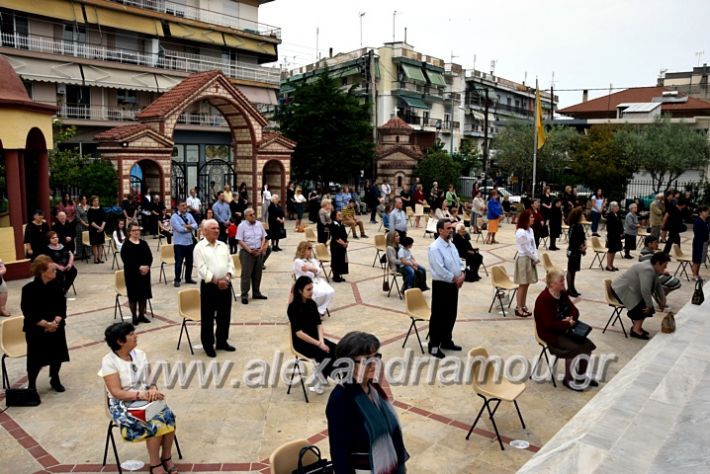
[{"x": 235, "y": 429}]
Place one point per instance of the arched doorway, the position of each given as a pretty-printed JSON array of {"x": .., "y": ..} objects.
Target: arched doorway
[
  {"x": 212, "y": 176},
  {"x": 146, "y": 175},
  {"x": 273, "y": 175}
]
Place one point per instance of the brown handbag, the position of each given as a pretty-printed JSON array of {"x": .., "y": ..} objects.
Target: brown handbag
[{"x": 668, "y": 323}]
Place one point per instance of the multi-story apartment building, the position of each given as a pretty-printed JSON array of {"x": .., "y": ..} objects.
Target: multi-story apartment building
[
  {"x": 693, "y": 82},
  {"x": 102, "y": 61}
]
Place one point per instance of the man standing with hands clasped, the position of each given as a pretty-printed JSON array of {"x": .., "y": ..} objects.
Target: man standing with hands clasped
[
  {"x": 215, "y": 268},
  {"x": 447, "y": 277},
  {"x": 252, "y": 240},
  {"x": 184, "y": 226}
]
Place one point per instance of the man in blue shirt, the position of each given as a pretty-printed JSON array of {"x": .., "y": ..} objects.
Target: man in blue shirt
[
  {"x": 184, "y": 227},
  {"x": 222, "y": 213},
  {"x": 447, "y": 278},
  {"x": 338, "y": 200}
]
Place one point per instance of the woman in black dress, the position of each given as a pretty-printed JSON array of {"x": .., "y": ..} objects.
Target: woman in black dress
[
  {"x": 97, "y": 223},
  {"x": 137, "y": 260},
  {"x": 45, "y": 310},
  {"x": 36, "y": 235},
  {"x": 577, "y": 248},
  {"x": 614, "y": 235},
  {"x": 64, "y": 258},
  {"x": 338, "y": 248},
  {"x": 277, "y": 231},
  {"x": 555, "y": 223},
  {"x": 306, "y": 329}
]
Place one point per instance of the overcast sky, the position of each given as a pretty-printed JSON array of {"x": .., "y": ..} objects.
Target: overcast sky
[{"x": 587, "y": 44}]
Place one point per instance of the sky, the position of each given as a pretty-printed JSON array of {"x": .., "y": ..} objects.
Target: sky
[{"x": 588, "y": 44}]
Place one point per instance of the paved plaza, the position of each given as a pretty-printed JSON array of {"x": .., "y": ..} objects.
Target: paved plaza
[{"x": 228, "y": 429}]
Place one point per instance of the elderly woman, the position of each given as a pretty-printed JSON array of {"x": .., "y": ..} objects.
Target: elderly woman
[
  {"x": 3, "y": 290},
  {"x": 97, "y": 223},
  {"x": 36, "y": 235},
  {"x": 306, "y": 329},
  {"x": 306, "y": 265},
  {"x": 614, "y": 235},
  {"x": 392, "y": 239},
  {"x": 277, "y": 230},
  {"x": 363, "y": 429},
  {"x": 700, "y": 241},
  {"x": 462, "y": 242},
  {"x": 478, "y": 210},
  {"x": 555, "y": 314},
  {"x": 124, "y": 371},
  {"x": 537, "y": 222},
  {"x": 45, "y": 310},
  {"x": 631, "y": 228},
  {"x": 442, "y": 210},
  {"x": 577, "y": 248},
  {"x": 63, "y": 258},
  {"x": 338, "y": 248},
  {"x": 137, "y": 259},
  {"x": 82, "y": 224},
  {"x": 528, "y": 258},
  {"x": 418, "y": 198},
  {"x": 324, "y": 220}
]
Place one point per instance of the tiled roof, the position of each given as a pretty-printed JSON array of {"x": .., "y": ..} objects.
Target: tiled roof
[
  {"x": 173, "y": 98},
  {"x": 607, "y": 104},
  {"x": 121, "y": 133},
  {"x": 396, "y": 123},
  {"x": 410, "y": 150},
  {"x": 267, "y": 137}
]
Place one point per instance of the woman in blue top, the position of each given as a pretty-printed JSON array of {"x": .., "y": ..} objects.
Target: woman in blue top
[
  {"x": 598, "y": 203},
  {"x": 495, "y": 212},
  {"x": 700, "y": 239}
]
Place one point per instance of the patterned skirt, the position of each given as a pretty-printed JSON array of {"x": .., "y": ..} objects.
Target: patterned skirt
[{"x": 135, "y": 430}]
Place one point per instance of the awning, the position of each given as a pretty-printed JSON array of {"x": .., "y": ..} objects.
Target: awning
[
  {"x": 257, "y": 46},
  {"x": 312, "y": 80},
  {"x": 167, "y": 82},
  {"x": 125, "y": 21},
  {"x": 414, "y": 103},
  {"x": 233, "y": 41},
  {"x": 46, "y": 71},
  {"x": 259, "y": 95},
  {"x": 413, "y": 73},
  {"x": 193, "y": 33},
  {"x": 60, "y": 10},
  {"x": 478, "y": 115},
  {"x": 118, "y": 79},
  {"x": 435, "y": 78},
  {"x": 349, "y": 71}
]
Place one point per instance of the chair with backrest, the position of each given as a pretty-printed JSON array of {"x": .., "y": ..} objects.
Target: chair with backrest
[
  {"x": 547, "y": 354},
  {"x": 12, "y": 343},
  {"x": 322, "y": 254},
  {"x": 310, "y": 235},
  {"x": 565, "y": 233},
  {"x": 392, "y": 274},
  {"x": 121, "y": 290},
  {"x": 502, "y": 286},
  {"x": 683, "y": 261},
  {"x": 86, "y": 242},
  {"x": 418, "y": 311},
  {"x": 616, "y": 305},
  {"x": 167, "y": 257},
  {"x": 547, "y": 262},
  {"x": 237, "y": 272},
  {"x": 599, "y": 252},
  {"x": 298, "y": 358},
  {"x": 115, "y": 263},
  {"x": 491, "y": 390},
  {"x": 380, "y": 246},
  {"x": 189, "y": 309},
  {"x": 641, "y": 234},
  {"x": 284, "y": 460}
]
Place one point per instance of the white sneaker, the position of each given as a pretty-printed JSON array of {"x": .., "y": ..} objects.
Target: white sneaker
[{"x": 318, "y": 388}]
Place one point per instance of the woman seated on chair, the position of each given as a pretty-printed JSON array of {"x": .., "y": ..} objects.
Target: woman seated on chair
[
  {"x": 555, "y": 314},
  {"x": 442, "y": 210},
  {"x": 124, "y": 371},
  {"x": 306, "y": 265},
  {"x": 306, "y": 328},
  {"x": 462, "y": 242},
  {"x": 119, "y": 235},
  {"x": 64, "y": 258},
  {"x": 164, "y": 227},
  {"x": 392, "y": 239}
]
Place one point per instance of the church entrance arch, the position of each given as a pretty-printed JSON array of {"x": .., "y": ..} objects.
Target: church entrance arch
[{"x": 212, "y": 176}]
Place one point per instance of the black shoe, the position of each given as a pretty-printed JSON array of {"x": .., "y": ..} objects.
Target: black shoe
[
  {"x": 553, "y": 248},
  {"x": 57, "y": 385},
  {"x": 143, "y": 319},
  {"x": 609, "y": 269},
  {"x": 451, "y": 346},
  {"x": 574, "y": 294},
  {"x": 191, "y": 282},
  {"x": 642, "y": 336},
  {"x": 210, "y": 352},
  {"x": 628, "y": 257},
  {"x": 259, "y": 297},
  {"x": 436, "y": 352},
  {"x": 356, "y": 237},
  {"x": 245, "y": 301},
  {"x": 364, "y": 236},
  {"x": 645, "y": 332},
  {"x": 338, "y": 279},
  {"x": 226, "y": 347},
  {"x": 574, "y": 387},
  {"x": 135, "y": 321},
  {"x": 176, "y": 284}
]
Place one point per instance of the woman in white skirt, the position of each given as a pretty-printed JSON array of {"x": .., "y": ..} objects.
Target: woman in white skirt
[
  {"x": 305, "y": 265},
  {"x": 525, "y": 271}
]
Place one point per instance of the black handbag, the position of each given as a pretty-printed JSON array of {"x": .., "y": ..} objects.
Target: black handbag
[
  {"x": 698, "y": 295},
  {"x": 579, "y": 331},
  {"x": 22, "y": 397},
  {"x": 321, "y": 466}
]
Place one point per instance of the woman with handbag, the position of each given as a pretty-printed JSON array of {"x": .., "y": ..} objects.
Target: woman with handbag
[
  {"x": 124, "y": 371},
  {"x": 277, "y": 230},
  {"x": 555, "y": 316},
  {"x": 306, "y": 265},
  {"x": 363, "y": 429}
]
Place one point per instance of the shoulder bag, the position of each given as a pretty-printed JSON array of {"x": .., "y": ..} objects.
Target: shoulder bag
[
  {"x": 698, "y": 295},
  {"x": 320, "y": 466}
]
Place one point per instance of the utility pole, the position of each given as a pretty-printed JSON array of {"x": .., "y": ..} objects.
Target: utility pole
[
  {"x": 362, "y": 14},
  {"x": 485, "y": 140}
]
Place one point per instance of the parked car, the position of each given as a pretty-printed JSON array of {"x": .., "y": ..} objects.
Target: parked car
[{"x": 505, "y": 193}]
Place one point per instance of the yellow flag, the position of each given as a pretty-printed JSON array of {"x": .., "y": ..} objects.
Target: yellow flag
[{"x": 539, "y": 125}]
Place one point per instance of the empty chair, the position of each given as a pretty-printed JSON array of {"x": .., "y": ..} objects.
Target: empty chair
[
  {"x": 418, "y": 310},
  {"x": 616, "y": 305},
  {"x": 189, "y": 309},
  {"x": 310, "y": 235},
  {"x": 12, "y": 343},
  {"x": 86, "y": 242},
  {"x": 321, "y": 252},
  {"x": 641, "y": 234},
  {"x": 237, "y": 272},
  {"x": 599, "y": 252},
  {"x": 683, "y": 261},
  {"x": 284, "y": 459},
  {"x": 565, "y": 233},
  {"x": 544, "y": 352},
  {"x": 115, "y": 263},
  {"x": 380, "y": 246},
  {"x": 492, "y": 390},
  {"x": 120, "y": 284},
  {"x": 167, "y": 257},
  {"x": 502, "y": 285}
]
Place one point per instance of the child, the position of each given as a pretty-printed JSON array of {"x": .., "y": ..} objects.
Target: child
[
  {"x": 232, "y": 235},
  {"x": 414, "y": 273}
]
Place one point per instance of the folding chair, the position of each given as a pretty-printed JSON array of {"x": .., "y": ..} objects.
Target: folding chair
[
  {"x": 322, "y": 254},
  {"x": 502, "y": 285},
  {"x": 544, "y": 353},
  {"x": 543, "y": 241},
  {"x": 12, "y": 343},
  {"x": 237, "y": 272},
  {"x": 298, "y": 358},
  {"x": 310, "y": 235},
  {"x": 683, "y": 261},
  {"x": 189, "y": 309},
  {"x": 565, "y": 234},
  {"x": 418, "y": 310},
  {"x": 492, "y": 390},
  {"x": 642, "y": 234},
  {"x": 389, "y": 271},
  {"x": 380, "y": 246},
  {"x": 167, "y": 257},
  {"x": 599, "y": 252},
  {"x": 284, "y": 460},
  {"x": 616, "y": 305},
  {"x": 112, "y": 248},
  {"x": 86, "y": 242},
  {"x": 121, "y": 290}
]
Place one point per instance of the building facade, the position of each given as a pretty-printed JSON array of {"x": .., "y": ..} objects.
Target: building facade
[
  {"x": 101, "y": 62},
  {"x": 693, "y": 82}
]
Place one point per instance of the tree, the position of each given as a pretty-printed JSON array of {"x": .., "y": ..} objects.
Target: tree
[
  {"x": 467, "y": 157},
  {"x": 332, "y": 131},
  {"x": 665, "y": 150},
  {"x": 438, "y": 165}
]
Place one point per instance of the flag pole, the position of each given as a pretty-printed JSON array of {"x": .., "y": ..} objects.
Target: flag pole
[{"x": 534, "y": 175}]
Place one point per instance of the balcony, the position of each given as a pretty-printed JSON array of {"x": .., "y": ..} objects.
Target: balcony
[
  {"x": 167, "y": 59},
  {"x": 211, "y": 120},
  {"x": 411, "y": 119},
  {"x": 408, "y": 86},
  {"x": 206, "y": 16},
  {"x": 119, "y": 114}
]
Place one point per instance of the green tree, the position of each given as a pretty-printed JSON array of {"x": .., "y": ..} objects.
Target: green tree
[
  {"x": 665, "y": 149},
  {"x": 332, "y": 131},
  {"x": 468, "y": 157},
  {"x": 438, "y": 165}
]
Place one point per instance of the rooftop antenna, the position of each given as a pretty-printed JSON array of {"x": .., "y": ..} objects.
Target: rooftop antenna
[
  {"x": 493, "y": 67},
  {"x": 699, "y": 54},
  {"x": 362, "y": 14},
  {"x": 317, "y": 35},
  {"x": 394, "y": 16}
]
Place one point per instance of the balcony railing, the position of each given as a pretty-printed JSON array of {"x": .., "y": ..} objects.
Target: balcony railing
[
  {"x": 118, "y": 114},
  {"x": 408, "y": 86},
  {"x": 207, "y": 16},
  {"x": 166, "y": 59},
  {"x": 411, "y": 119},
  {"x": 202, "y": 119}
]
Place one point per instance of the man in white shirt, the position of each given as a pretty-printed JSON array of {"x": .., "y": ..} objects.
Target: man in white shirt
[
  {"x": 194, "y": 205},
  {"x": 215, "y": 268},
  {"x": 251, "y": 237},
  {"x": 398, "y": 218},
  {"x": 386, "y": 190}
]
